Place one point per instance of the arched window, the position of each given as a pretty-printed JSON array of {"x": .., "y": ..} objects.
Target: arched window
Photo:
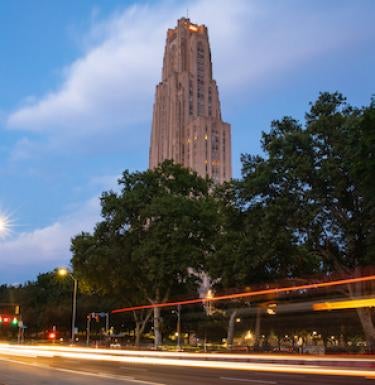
[
  {"x": 173, "y": 59},
  {"x": 215, "y": 156},
  {"x": 200, "y": 78}
]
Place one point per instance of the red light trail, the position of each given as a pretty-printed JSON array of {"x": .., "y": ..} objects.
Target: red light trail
[{"x": 249, "y": 294}]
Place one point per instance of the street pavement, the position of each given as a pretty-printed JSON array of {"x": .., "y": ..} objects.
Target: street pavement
[{"x": 36, "y": 370}]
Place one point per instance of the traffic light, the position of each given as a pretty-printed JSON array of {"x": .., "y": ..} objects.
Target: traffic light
[
  {"x": 7, "y": 320},
  {"x": 51, "y": 335}
]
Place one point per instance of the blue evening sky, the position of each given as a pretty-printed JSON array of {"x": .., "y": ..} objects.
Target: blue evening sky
[{"x": 77, "y": 80}]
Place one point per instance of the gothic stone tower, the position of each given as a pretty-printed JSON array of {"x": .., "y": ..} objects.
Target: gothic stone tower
[{"x": 187, "y": 125}]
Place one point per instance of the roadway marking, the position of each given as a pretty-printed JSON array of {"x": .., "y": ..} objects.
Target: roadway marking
[
  {"x": 247, "y": 380},
  {"x": 100, "y": 375},
  {"x": 255, "y": 367},
  {"x": 132, "y": 368},
  {"x": 109, "y": 376}
]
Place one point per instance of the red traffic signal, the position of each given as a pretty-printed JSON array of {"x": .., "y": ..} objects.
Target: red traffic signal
[
  {"x": 8, "y": 320},
  {"x": 51, "y": 335}
]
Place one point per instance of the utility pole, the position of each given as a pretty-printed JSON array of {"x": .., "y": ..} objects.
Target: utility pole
[
  {"x": 62, "y": 272},
  {"x": 179, "y": 327},
  {"x": 107, "y": 323},
  {"x": 88, "y": 329},
  {"x": 74, "y": 311}
]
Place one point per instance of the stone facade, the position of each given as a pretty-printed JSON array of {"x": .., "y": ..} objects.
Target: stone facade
[{"x": 187, "y": 125}]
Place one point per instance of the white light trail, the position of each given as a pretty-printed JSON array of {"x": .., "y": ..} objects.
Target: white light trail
[
  {"x": 181, "y": 362},
  {"x": 205, "y": 356}
]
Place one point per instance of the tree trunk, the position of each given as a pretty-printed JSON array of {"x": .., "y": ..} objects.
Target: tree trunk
[
  {"x": 257, "y": 327},
  {"x": 140, "y": 324},
  {"x": 137, "y": 333},
  {"x": 366, "y": 317},
  {"x": 230, "y": 333},
  {"x": 157, "y": 331}
]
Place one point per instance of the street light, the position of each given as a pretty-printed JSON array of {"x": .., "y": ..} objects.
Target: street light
[
  {"x": 63, "y": 272},
  {"x": 178, "y": 327}
]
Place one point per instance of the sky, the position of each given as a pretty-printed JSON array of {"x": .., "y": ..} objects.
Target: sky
[{"x": 77, "y": 80}]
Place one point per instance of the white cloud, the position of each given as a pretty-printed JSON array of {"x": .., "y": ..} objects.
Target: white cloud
[
  {"x": 23, "y": 149},
  {"x": 29, "y": 253},
  {"x": 109, "y": 89},
  {"x": 105, "y": 99},
  {"x": 106, "y": 182}
]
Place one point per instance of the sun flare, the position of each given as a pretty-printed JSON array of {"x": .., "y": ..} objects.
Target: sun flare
[{"x": 5, "y": 225}]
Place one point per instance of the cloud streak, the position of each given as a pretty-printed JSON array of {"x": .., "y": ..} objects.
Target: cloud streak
[
  {"x": 109, "y": 89},
  {"x": 43, "y": 249},
  {"x": 105, "y": 97}
]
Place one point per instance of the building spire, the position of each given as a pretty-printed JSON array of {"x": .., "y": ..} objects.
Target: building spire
[{"x": 187, "y": 126}]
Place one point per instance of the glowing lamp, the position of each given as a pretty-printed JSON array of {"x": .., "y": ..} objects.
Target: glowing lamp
[
  {"x": 193, "y": 28},
  {"x": 62, "y": 271}
]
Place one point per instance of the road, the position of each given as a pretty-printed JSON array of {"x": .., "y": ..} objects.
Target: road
[{"x": 53, "y": 370}]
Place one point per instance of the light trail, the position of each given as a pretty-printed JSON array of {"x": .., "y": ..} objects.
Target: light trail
[
  {"x": 49, "y": 350},
  {"x": 340, "y": 305},
  {"x": 249, "y": 294},
  {"x": 220, "y": 365}
]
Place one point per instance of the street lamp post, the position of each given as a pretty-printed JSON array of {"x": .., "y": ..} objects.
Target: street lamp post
[
  {"x": 64, "y": 272},
  {"x": 179, "y": 327}
]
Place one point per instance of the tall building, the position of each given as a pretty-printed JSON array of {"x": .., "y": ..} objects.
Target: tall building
[{"x": 187, "y": 126}]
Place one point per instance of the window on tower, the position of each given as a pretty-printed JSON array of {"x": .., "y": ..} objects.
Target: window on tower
[
  {"x": 210, "y": 102},
  {"x": 215, "y": 155},
  {"x": 190, "y": 97},
  {"x": 200, "y": 78}
]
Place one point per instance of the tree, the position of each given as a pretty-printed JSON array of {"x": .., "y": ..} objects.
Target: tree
[
  {"x": 314, "y": 197},
  {"x": 161, "y": 224},
  {"x": 47, "y": 302},
  {"x": 255, "y": 244},
  {"x": 103, "y": 266},
  {"x": 307, "y": 206}
]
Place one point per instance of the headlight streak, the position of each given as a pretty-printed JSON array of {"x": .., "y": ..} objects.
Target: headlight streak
[
  {"x": 180, "y": 362},
  {"x": 340, "y": 305},
  {"x": 212, "y": 356}
]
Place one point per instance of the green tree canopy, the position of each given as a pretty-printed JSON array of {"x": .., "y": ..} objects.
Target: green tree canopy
[
  {"x": 159, "y": 225},
  {"x": 308, "y": 205}
]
